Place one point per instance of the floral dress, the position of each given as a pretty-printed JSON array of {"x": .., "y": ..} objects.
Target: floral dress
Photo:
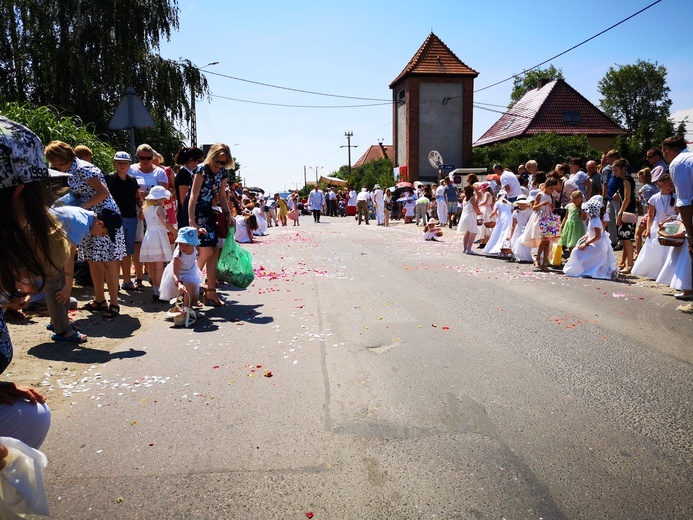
[
  {"x": 204, "y": 214},
  {"x": 574, "y": 228},
  {"x": 93, "y": 248}
]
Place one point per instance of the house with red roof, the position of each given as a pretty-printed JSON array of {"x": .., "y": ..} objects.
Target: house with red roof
[
  {"x": 375, "y": 152},
  {"x": 432, "y": 110},
  {"x": 554, "y": 106}
]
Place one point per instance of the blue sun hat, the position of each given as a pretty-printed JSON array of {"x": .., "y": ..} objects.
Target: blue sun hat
[{"x": 188, "y": 235}]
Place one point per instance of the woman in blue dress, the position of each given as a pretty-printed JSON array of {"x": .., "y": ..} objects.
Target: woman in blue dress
[{"x": 209, "y": 179}]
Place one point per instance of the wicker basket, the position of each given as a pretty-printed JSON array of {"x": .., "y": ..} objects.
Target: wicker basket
[
  {"x": 671, "y": 233},
  {"x": 480, "y": 222},
  {"x": 506, "y": 251},
  {"x": 490, "y": 224}
]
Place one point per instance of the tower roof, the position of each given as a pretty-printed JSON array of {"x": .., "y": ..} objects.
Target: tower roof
[
  {"x": 435, "y": 58},
  {"x": 551, "y": 107}
]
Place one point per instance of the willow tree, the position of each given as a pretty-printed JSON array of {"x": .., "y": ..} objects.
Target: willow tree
[{"x": 81, "y": 55}]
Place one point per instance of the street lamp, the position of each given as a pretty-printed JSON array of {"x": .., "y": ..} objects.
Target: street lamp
[{"x": 193, "y": 112}]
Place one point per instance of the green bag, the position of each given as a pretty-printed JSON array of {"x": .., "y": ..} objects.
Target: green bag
[{"x": 235, "y": 265}]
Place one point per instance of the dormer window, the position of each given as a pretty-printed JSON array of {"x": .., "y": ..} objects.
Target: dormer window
[{"x": 571, "y": 117}]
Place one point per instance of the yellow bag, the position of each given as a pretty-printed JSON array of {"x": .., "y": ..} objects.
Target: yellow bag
[{"x": 556, "y": 257}]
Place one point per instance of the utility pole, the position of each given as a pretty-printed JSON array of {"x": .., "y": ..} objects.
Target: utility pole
[
  {"x": 316, "y": 172},
  {"x": 349, "y": 146},
  {"x": 305, "y": 179},
  {"x": 193, "y": 111}
]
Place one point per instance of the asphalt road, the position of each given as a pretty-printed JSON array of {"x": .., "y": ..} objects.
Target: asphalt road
[{"x": 408, "y": 381}]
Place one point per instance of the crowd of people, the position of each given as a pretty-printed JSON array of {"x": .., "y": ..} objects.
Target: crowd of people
[
  {"x": 575, "y": 217},
  {"x": 170, "y": 224}
]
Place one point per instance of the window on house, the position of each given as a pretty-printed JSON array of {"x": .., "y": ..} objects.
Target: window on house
[
  {"x": 571, "y": 116},
  {"x": 401, "y": 95}
]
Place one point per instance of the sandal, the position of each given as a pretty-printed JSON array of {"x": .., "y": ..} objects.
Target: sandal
[
  {"x": 130, "y": 286},
  {"x": 95, "y": 306},
  {"x": 77, "y": 337},
  {"x": 49, "y": 326},
  {"x": 214, "y": 302},
  {"x": 112, "y": 312},
  {"x": 139, "y": 284}
]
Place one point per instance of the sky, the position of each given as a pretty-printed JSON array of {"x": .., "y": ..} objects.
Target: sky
[{"x": 358, "y": 48}]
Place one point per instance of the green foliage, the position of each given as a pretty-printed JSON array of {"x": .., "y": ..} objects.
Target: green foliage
[
  {"x": 528, "y": 81},
  {"x": 546, "y": 149},
  {"x": 81, "y": 56},
  {"x": 51, "y": 125},
  {"x": 374, "y": 172},
  {"x": 637, "y": 97}
]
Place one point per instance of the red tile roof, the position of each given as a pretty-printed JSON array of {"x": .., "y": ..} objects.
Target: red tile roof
[
  {"x": 434, "y": 57},
  {"x": 375, "y": 152},
  {"x": 555, "y": 107}
]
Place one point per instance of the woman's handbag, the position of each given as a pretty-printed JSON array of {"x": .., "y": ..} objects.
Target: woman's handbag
[
  {"x": 558, "y": 210},
  {"x": 639, "y": 207},
  {"x": 629, "y": 218}
]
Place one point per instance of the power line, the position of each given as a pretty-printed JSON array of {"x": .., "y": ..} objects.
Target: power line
[
  {"x": 568, "y": 50},
  {"x": 500, "y": 112},
  {"x": 298, "y": 106},
  {"x": 294, "y": 89}
]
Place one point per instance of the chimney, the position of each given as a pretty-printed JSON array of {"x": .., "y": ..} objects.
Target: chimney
[
  {"x": 384, "y": 150},
  {"x": 542, "y": 82}
]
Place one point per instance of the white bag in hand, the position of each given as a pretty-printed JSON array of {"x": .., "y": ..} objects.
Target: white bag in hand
[{"x": 22, "y": 490}]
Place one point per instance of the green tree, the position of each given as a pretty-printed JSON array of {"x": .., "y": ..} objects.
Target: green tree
[
  {"x": 378, "y": 171},
  {"x": 80, "y": 56},
  {"x": 529, "y": 80},
  {"x": 49, "y": 124},
  {"x": 637, "y": 97},
  {"x": 546, "y": 148}
]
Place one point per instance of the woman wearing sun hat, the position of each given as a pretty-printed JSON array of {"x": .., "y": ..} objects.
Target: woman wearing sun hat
[
  {"x": 593, "y": 256},
  {"x": 103, "y": 254}
]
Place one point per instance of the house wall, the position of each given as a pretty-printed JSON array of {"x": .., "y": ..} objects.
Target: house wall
[
  {"x": 440, "y": 125},
  {"x": 602, "y": 143},
  {"x": 400, "y": 129}
]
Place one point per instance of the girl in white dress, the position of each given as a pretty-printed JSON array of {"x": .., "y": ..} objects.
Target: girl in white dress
[
  {"x": 532, "y": 235},
  {"x": 244, "y": 227},
  {"x": 676, "y": 271},
  {"x": 503, "y": 213},
  {"x": 468, "y": 220},
  {"x": 182, "y": 276},
  {"x": 485, "y": 202},
  {"x": 521, "y": 252},
  {"x": 660, "y": 206},
  {"x": 261, "y": 221},
  {"x": 593, "y": 256},
  {"x": 156, "y": 248}
]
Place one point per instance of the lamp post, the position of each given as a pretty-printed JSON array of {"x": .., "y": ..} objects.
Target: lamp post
[{"x": 193, "y": 112}]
